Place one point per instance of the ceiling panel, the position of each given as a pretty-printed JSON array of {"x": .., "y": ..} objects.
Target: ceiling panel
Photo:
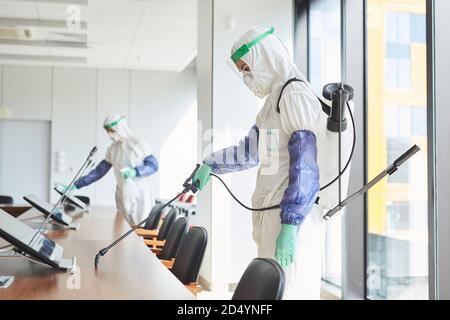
[
  {"x": 171, "y": 35},
  {"x": 101, "y": 34},
  {"x": 118, "y": 6},
  {"x": 11, "y": 49},
  {"x": 137, "y": 34},
  {"x": 17, "y": 9},
  {"x": 59, "y": 12},
  {"x": 169, "y": 9},
  {"x": 152, "y": 24},
  {"x": 116, "y": 19}
]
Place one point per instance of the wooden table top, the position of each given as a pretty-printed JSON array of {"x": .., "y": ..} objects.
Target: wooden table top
[{"x": 128, "y": 271}]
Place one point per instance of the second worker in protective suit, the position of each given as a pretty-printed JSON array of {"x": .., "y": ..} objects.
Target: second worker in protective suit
[
  {"x": 296, "y": 155},
  {"x": 133, "y": 164}
]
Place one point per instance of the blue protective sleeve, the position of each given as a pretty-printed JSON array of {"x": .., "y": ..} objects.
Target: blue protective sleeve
[
  {"x": 149, "y": 167},
  {"x": 304, "y": 184},
  {"x": 96, "y": 174},
  {"x": 236, "y": 158}
]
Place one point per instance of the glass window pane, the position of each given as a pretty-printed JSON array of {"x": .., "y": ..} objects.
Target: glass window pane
[
  {"x": 397, "y": 257},
  {"x": 391, "y": 23},
  {"x": 395, "y": 148},
  {"x": 404, "y": 28},
  {"x": 325, "y": 67},
  {"x": 419, "y": 122},
  {"x": 404, "y": 74},
  {"x": 418, "y": 28},
  {"x": 325, "y": 43},
  {"x": 398, "y": 51},
  {"x": 391, "y": 73}
]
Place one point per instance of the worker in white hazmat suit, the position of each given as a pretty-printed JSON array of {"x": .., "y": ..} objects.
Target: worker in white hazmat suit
[
  {"x": 296, "y": 154},
  {"x": 133, "y": 164}
]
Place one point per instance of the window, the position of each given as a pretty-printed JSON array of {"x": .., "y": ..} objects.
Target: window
[
  {"x": 395, "y": 148},
  {"x": 398, "y": 217},
  {"x": 402, "y": 31},
  {"x": 325, "y": 67},
  {"x": 398, "y": 50},
  {"x": 324, "y": 43},
  {"x": 397, "y": 256}
]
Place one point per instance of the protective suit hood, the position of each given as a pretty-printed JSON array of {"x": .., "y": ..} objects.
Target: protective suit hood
[
  {"x": 119, "y": 124},
  {"x": 269, "y": 61}
]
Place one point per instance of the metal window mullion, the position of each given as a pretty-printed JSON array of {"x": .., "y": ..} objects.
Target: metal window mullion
[
  {"x": 353, "y": 57},
  {"x": 441, "y": 152},
  {"x": 431, "y": 137}
]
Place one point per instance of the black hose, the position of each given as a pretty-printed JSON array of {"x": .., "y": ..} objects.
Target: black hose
[
  {"x": 351, "y": 154},
  {"x": 238, "y": 201}
]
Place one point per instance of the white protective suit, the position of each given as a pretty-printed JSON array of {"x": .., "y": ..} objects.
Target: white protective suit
[
  {"x": 134, "y": 197},
  {"x": 271, "y": 67}
]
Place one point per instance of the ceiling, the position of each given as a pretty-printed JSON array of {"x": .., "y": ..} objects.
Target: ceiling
[{"x": 124, "y": 34}]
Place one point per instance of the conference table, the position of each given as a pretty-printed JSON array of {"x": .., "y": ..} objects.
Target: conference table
[{"x": 129, "y": 271}]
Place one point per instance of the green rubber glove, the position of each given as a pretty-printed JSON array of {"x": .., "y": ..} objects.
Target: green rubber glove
[
  {"x": 203, "y": 176},
  {"x": 128, "y": 173},
  {"x": 286, "y": 242}
]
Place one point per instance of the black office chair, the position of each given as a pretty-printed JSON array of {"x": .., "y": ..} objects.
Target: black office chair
[
  {"x": 174, "y": 239},
  {"x": 163, "y": 231},
  {"x": 169, "y": 220},
  {"x": 263, "y": 279},
  {"x": 189, "y": 257},
  {"x": 6, "y": 200},
  {"x": 155, "y": 215}
]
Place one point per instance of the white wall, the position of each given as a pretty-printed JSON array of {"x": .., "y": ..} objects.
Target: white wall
[
  {"x": 25, "y": 158},
  {"x": 161, "y": 108},
  {"x": 227, "y": 106}
]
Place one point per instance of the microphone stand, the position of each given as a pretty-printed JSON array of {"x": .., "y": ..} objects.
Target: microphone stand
[
  {"x": 89, "y": 166},
  {"x": 85, "y": 164},
  {"x": 187, "y": 187}
]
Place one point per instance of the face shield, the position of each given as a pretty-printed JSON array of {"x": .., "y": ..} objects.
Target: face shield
[
  {"x": 110, "y": 126},
  {"x": 235, "y": 62},
  {"x": 111, "y": 129}
]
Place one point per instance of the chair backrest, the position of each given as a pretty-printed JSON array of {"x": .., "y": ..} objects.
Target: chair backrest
[
  {"x": 167, "y": 223},
  {"x": 263, "y": 279},
  {"x": 84, "y": 199},
  {"x": 155, "y": 215},
  {"x": 190, "y": 255},
  {"x": 6, "y": 200},
  {"x": 175, "y": 237}
]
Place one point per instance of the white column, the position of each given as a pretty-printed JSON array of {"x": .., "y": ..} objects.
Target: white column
[{"x": 227, "y": 106}]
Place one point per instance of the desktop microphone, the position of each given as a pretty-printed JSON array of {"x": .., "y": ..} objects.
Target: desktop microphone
[
  {"x": 92, "y": 153},
  {"x": 61, "y": 198}
]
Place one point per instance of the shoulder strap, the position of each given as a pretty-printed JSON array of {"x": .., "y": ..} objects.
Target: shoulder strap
[{"x": 325, "y": 107}]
